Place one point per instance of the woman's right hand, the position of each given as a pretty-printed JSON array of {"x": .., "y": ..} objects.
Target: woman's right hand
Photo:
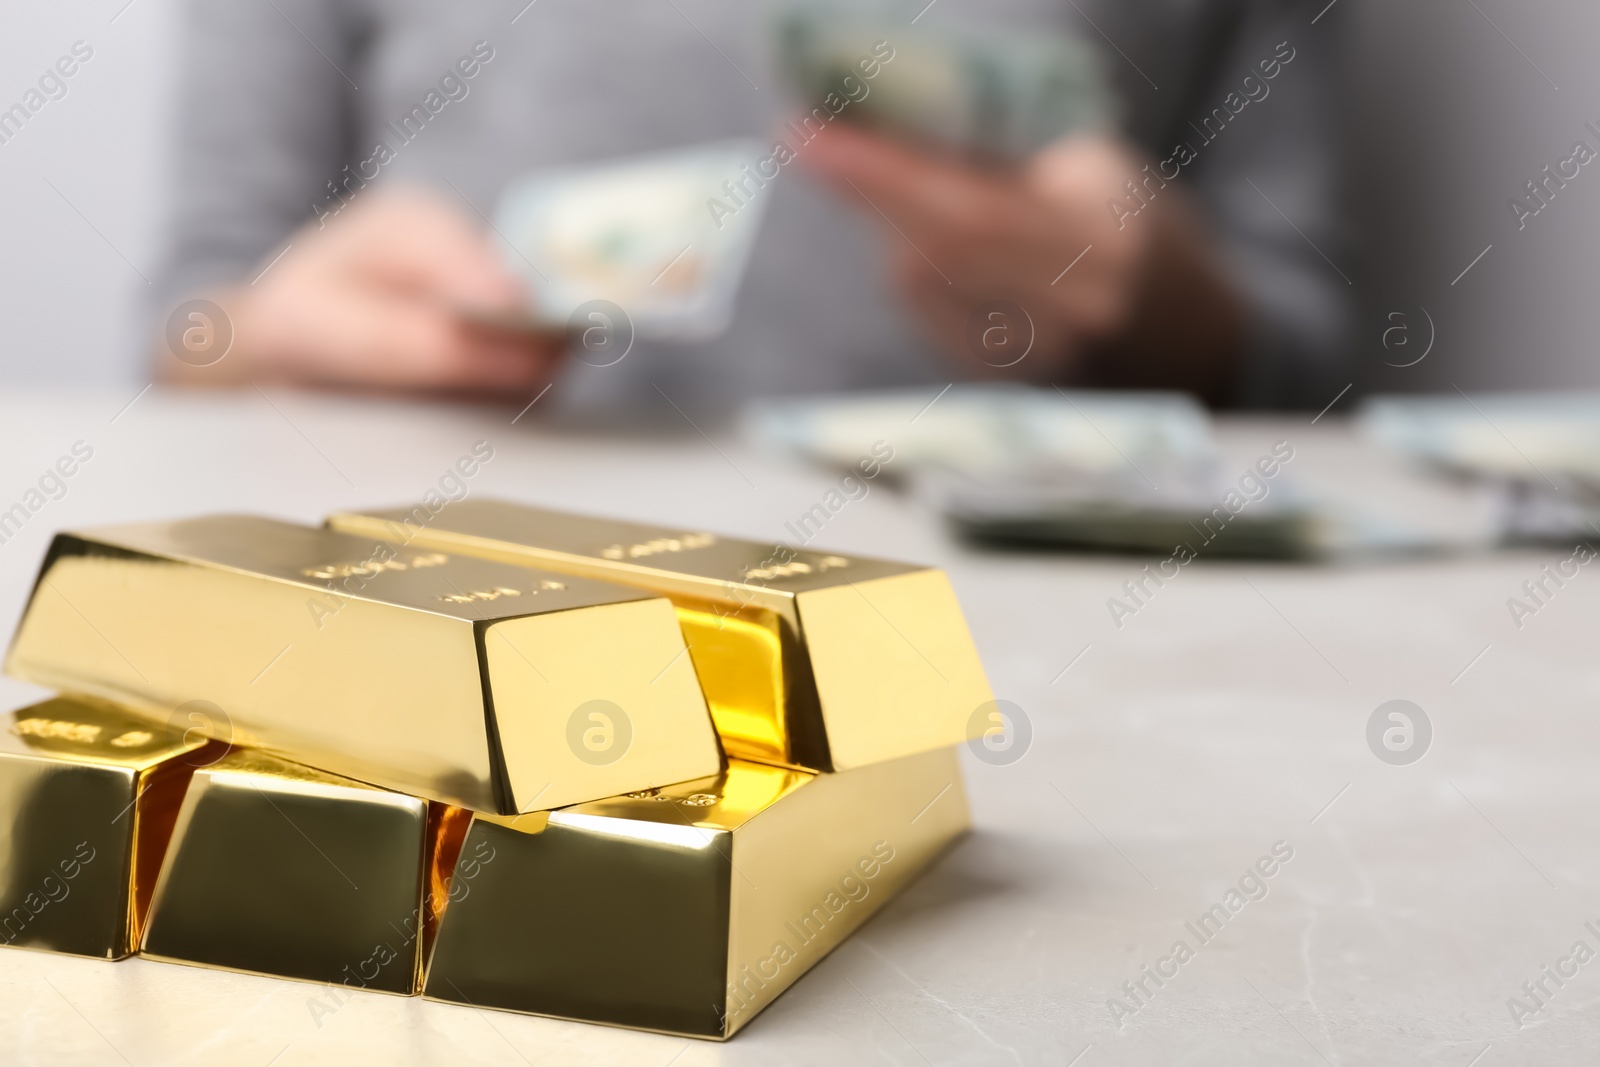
[{"x": 394, "y": 295}]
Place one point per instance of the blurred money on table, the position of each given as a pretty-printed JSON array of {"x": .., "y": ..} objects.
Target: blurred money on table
[
  {"x": 1536, "y": 455},
  {"x": 1088, "y": 470},
  {"x": 1104, "y": 471}
]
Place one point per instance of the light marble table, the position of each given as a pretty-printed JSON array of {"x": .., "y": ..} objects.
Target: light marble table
[{"x": 1168, "y": 757}]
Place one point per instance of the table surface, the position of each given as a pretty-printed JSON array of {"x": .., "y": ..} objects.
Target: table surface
[{"x": 1227, "y": 717}]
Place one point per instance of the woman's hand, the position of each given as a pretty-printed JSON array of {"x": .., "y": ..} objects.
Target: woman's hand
[
  {"x": 393, "y": 294},
  {"x": 1110, "y": 297}
]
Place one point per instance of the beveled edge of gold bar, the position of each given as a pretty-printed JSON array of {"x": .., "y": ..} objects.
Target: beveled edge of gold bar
[
  {"x": 917, "y": 686},
  {"x": 748, "y": 573},
  {"x": 915, "y": 832}
]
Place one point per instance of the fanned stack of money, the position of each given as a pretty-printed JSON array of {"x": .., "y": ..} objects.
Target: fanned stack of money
[
  {"x": 494, "y": 755},
  {"x": 993, "y": 94}
]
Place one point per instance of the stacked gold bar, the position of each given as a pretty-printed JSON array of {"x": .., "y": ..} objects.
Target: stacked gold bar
[
  {"x": 90, "y": 793},
  {"x": 687, "y": 910},
  {"x": 808, "y": 659},
  {"x": 446, "y": 677},
  {"x": 478, "y": 753}
]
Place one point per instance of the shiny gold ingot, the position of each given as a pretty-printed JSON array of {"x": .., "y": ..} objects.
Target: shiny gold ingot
[
  {"x": 808, "y": 659},
  {"x": 88, "y": 794},
  {"x": 282, "y": 870},
  {"x": 456, "y": 679},
  {"x": 689, "y": 909}
]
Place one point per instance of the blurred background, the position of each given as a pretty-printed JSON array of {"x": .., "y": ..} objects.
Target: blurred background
[{"x": 1452, "y": 108}]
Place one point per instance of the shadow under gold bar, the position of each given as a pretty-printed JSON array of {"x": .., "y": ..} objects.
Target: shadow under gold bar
[
  {"x": 282, "y": 870},
  {"x": 689, "y": 909},
  {"x": 88, "y": 795},
  {"x": 808, "y": 659},
  {"x": 455, "y": 679}
]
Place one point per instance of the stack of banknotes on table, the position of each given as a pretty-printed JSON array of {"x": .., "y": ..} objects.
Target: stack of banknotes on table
[
  {"x": 495, "y": 755},
  {"x": 1535, "y": 455},
  {"x": 1105, "y": 471},
  {"x": 1085, "y": 470}
]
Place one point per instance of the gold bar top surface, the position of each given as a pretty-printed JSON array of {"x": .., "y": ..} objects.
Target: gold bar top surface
[
  {"x": 808, "y": 659},
  {"x": 87, "y": 731},
  {"x": 457, "y": 679},
  {"x": 695, "y": 563}
]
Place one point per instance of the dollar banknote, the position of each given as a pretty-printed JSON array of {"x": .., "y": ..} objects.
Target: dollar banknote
[
  {"x": 1087, "y": 470},
  {"x": 1128, "y": 472},
  {"x": 657, "y": 240},
  {"x": 1536, "y": 454},
  {"x": 1111, "y": 510},
  {"x": 984, "y": 428},
  {"x": 985, "y": 92},
  {"x": 1523, "y": 436}
]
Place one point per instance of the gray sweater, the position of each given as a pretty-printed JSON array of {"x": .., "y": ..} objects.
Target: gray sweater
[{"x": 280, "y": 96}]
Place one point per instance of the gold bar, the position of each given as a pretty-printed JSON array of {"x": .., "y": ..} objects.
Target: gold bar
[
  {"x": 88, "y": 794},
  {"x": 282, "y": 870},
  {"x": 808, "y": 659},
  {"x": 686, "y": 910},
  {"x": 455, "y": 679}
]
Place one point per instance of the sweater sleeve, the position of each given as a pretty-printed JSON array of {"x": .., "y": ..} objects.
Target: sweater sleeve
[
  {"x": 1266, "y": 174},
  {"x": 263, "y": 122}
]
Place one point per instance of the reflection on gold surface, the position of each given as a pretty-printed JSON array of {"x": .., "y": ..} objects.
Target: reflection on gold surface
[
  {"x": 454, "y": 679},
  {"x": 88, "y": 795},
  {"x": 807, "y": 659},
  {"x": 688, "y": 909},
  {"x": 447, "y": 829},
  {"x": 278, "y": 869},
  {"x": 739, "y": 659}
]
